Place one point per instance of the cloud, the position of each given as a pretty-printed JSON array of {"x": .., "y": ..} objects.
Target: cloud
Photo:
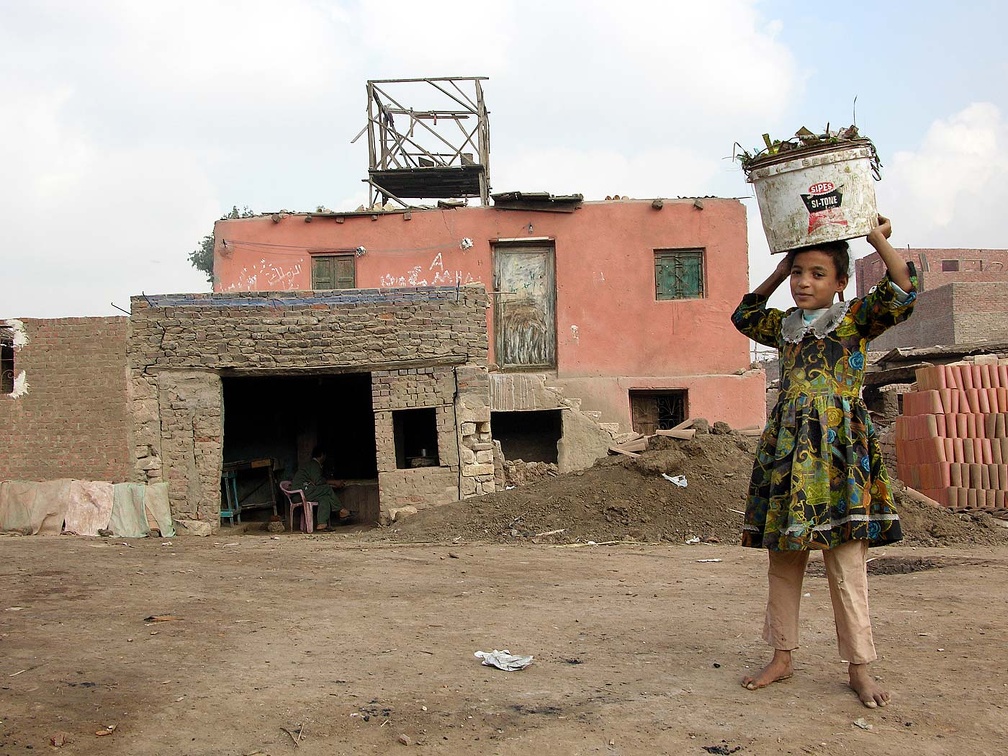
[
  {"x": 128, "y": 128},
  {"x": 596, "y": 173},
  {"x": 405, "y": 39},
  {"x": 951, "y": 189},
  {"x": 718, "y": 55},
  {"x": 93, "y": 224}
]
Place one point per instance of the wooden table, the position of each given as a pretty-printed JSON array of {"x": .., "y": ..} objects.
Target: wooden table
[{"x": 258, "y": 489}]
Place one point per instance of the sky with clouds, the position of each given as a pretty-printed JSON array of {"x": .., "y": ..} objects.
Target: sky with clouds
[{"x": 127, "y": 128}]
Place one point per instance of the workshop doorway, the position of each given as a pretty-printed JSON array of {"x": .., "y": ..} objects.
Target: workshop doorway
[{"x": 281, "y": 418}]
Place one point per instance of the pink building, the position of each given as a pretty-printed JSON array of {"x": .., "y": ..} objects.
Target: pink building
[{"x": 617, "y": 311}]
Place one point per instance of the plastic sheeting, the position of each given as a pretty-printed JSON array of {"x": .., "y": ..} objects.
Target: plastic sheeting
[
  {"x": 503, "y": 660},
  {"x": 126, "y": 510},
  {"x": 128, "y": 519},
  {"x": 89, "y": 508},
  {"x": 34, "y": 508}
]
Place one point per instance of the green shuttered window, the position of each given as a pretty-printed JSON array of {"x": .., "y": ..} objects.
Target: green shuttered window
[
  {"x": 333, "y": 272},
  {"x": 679, "y": 273}
]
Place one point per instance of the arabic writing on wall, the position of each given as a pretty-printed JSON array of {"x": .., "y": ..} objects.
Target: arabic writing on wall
[
  {"x": 441, "y": 277},
  {"x": 266, "y": 276}
]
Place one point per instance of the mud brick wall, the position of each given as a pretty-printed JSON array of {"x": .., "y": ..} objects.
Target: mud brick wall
[
  {"x": 931, "y": 323},
  {"x": 980, "y": 312},
  {"x": 957, "y": 313},
  {"x": 72, "y": 421},
  {"x": 181, "y": 344}
]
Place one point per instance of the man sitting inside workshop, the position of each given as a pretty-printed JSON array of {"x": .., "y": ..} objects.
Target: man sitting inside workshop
[{"x": 312, "y": 481}]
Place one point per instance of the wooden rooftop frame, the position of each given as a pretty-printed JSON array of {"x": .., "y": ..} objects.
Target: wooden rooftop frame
[{"x": 392, "y": 149}]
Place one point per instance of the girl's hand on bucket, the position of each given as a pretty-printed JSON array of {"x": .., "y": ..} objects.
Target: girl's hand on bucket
[
  {"x": 784, "y": 266},
  {"x": 883, "y": 230}
]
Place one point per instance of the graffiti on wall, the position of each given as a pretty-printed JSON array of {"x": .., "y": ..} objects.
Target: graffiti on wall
[
  {"x": 436, "y": 275},
  {"x": 267, "y": 276}
]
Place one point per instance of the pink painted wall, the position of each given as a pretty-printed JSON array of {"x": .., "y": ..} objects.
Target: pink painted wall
[{"x": 609, "y": 323}]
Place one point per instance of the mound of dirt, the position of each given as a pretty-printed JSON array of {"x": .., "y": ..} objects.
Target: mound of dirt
[{"x": 628, "y": 499}]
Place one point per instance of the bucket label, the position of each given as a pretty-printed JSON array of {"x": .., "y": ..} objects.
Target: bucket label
[{"x": 823, "y": 202}]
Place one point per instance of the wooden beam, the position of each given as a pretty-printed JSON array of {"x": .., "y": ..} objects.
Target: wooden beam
[
  {"x": 617, "y": 450},
  {"x": 682, "y": 435}
]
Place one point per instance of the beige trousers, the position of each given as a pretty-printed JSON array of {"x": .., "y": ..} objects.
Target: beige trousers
[{"x": 848, "y": 583}]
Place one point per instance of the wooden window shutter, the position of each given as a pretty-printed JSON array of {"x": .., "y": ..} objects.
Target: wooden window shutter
[
  {"x": 334, "y": 272},
  {"x": 322, "y": 273}
]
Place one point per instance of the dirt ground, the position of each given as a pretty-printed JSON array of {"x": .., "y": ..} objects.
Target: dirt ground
[{"x": 363, "y": 640}]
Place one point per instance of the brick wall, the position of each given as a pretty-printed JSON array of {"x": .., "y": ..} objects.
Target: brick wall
[
  {"x": 413, "y": 342},
  {"x": 72, "y": 422},
  {"x": 974, "y": 265},
  {"x": 980, "y": 312},
  {"x": 957, "y": 313},
  {"x": 464, "y": 444},
  {"x": 930, "y": 324}
]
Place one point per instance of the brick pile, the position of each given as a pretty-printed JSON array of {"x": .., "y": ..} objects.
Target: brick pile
[{"x": 951, "y": 440}]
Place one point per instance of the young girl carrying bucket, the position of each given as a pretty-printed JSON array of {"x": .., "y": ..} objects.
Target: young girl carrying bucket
[{"x": 818, "y": 480}]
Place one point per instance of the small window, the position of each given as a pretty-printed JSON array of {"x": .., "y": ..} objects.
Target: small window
[
  {"x": 415, "y": 435},
  {"x": 679, "y": 274},
  {"x": 334, "y": 271},
  {"x": 6, "y": 361},
  {"x": 950, "y": 266},
  {"x": 656, "y": 410}
]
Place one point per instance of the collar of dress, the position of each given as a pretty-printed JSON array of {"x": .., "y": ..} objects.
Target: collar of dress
[{"x": 794, "y": 327}]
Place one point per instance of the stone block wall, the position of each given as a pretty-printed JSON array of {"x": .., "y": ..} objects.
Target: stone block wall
[
  {"x": 472, "y": 414},
  {"x": 192, "y": 421},
  {"x": 68, "y": 417},
  {"x": 411, "y": 340}
]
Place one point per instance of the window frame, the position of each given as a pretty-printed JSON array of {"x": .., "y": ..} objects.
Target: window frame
[
  {"x": 677, "y": 255},
  {"x": 8, "y": 368},
  {"x": 333, "y": 255},
  {"x": 646, "y": 408},
  {"x": 414, "y": 431}
]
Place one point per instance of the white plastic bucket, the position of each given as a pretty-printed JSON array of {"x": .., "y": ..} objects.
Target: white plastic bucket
[{"x": 816, "y": 195}]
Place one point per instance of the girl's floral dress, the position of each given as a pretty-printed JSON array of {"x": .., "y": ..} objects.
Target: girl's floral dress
[{"x": 818, "y": 479}]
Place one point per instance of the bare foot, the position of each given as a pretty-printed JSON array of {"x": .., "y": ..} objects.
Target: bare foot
[
  {"x": 779, "y": 668},
  {"x": 869, "y": 691}
]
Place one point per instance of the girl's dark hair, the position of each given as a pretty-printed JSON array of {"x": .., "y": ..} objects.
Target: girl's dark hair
[{"x": 839, "y": 252}]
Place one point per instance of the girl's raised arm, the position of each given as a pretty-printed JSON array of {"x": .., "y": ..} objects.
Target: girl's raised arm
[
  {"x": 899, "y": 273},
  {"x": 775, "y": 279}
]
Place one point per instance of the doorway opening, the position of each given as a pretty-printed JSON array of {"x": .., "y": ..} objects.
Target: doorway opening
[
  {"x": 273, "y": 423},
  {"x": 529, "y": 436}
]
